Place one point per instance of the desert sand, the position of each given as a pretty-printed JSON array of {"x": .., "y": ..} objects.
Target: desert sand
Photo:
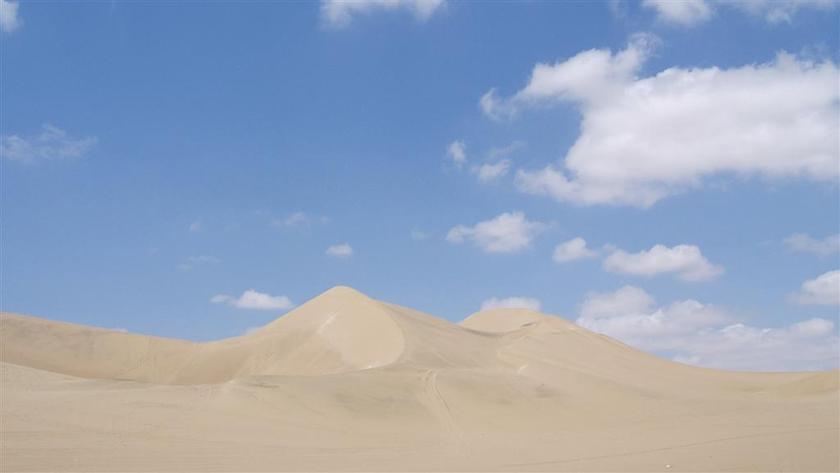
[{"x": 346, "y": 382}]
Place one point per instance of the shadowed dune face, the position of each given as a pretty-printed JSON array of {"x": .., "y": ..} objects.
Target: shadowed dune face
[
  {"x": 341, "y": 330},
  {"x": 348, "y": 380}
]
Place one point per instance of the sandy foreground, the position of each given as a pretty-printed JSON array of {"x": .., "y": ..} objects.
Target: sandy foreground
[{"x": 345, "y": 382}]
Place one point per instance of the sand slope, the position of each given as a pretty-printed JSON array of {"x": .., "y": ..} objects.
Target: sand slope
[{"x": 345, "y": 382}]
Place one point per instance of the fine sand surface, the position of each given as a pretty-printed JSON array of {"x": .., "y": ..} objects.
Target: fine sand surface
[{"x": 349, "y": 383}]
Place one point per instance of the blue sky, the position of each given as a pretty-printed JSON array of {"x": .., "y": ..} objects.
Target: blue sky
[{"x": 159, "y": 160}]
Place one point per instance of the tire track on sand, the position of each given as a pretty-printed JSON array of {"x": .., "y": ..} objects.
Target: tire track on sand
[{"x": 439, "y": 407}]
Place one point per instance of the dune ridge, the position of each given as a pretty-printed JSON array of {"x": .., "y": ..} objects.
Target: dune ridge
[{"x": 347, "y": 382}]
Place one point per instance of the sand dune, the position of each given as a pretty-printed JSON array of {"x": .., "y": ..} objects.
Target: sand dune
[{"x": 345, "y": 382}]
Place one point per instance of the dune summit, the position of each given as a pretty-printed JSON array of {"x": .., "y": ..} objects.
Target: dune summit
[{"x": 346, "y": 382}]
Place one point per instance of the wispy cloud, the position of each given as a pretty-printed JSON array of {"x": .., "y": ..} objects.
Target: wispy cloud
[
  {"x": 9, "y": 18},
  {"x": 805, "y": 244},
  {"x": 457, "y": 152},
  {"x": 417, "y": 234},
  {"x": 683, "y": 12},
  {"x": 511, "y": 303},
  {"x": 341, "y": 250},
  {"x": 52, "y": 143},
  {"x": 693, "y": 12},
  {"x": 298, "y": 220},
  {"x": 489, "y": 172},
  {"x": 194, "y": 261},
  {"x": 505, "y": 151},
  {"x": 340, "y": 13}
]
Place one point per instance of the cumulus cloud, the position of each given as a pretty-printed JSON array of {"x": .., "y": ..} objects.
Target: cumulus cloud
[
  {"x": 808, "y": 345},
  {"x": 339, "y": 13},
  {"x": 252, "y": 299},
  {"x": 629, "y": 314},
  {"x": 52, "y": 143},
  {"x": 9, "y": 19},
  {"x": 645, "y": 138},
  {"x": 490, "y": 172},
  {"x": 341, "y": 250},
  {"x": 805, "y": 244},
  {"x": 511, "y": 303},
  {"x": 686, "y": 261},
  {"x": 683, "y": 12},
  {"x": 627, "y": 300},
  {"x": 704, "y": 335},
  {"x": 572, "y": 250},
  {"x": 822, "y": 290},
  {"x": 457, "y": 152},
  {"x": 509, "y": 232}
]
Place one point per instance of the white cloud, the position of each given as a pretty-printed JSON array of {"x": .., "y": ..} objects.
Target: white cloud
[
  {"x": 492, "y": 106},
  {"x": 295, "y": 219},
  {"x": 699, "y": 334},
  {"x": 822, "y": 290},
  {"x": 808, "y": 345},
  {"x": 196, "y": 226},
  {"x": 511, "y": 303},
  {"x": 252, "y": 299},
  {"x": 804, "y": 243},
  {"x": 693, "y": 12},
  {"x": 627, "y": 300},
  {"x": 194, "y": 261},
  {"x": 686, "y": 261},
  {"x": 457, "y": 151},
  {"x": 51, "y": 143},
  {"x": 645, "y": 138},
  {"x": 490, "y": 172},
  {"x": 341, "y": 250},
  {"x": 572, "y": 250},
  {"x": 683, "y": 12},
  {"x": 780, "y": 11},
  {"x": 618, "y": 8},
  {"x": 628, "y": 314},
  {"x": 417, "y": 234},
  {"x": 509, "y": 232},
  {"x": 501, "y": 152},
  {"x": 339, "y": 13},
  {"x": 9, "y": 20}
]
